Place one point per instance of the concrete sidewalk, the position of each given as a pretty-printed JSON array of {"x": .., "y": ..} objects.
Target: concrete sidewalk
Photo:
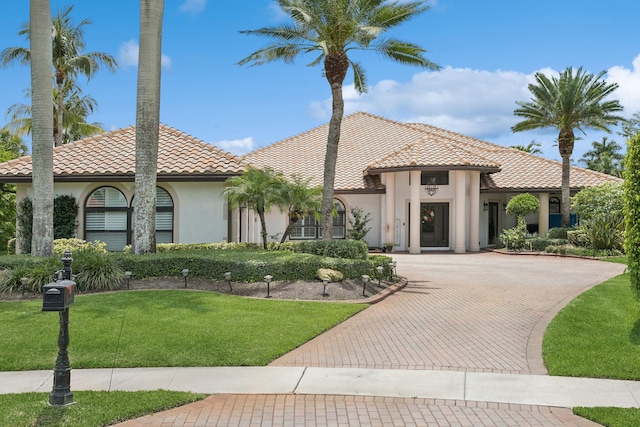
[{"x": 447, "y": 385}]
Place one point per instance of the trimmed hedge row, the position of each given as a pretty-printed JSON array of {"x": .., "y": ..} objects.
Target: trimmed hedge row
[
  {"x": 353, "y": 249},
  {"x": 246, "y": 268}
]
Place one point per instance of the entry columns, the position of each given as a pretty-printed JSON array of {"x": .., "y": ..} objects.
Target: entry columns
[
  {"x": 474, "y": 212},
  {"x": 460, "y": 211},
  {"x": 543, "y": 215},
  {"x": 390, "y": 185},
  {"x": 414, "y": 238}
]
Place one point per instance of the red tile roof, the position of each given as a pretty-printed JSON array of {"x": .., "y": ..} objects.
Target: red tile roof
[
  {"x": 370, "y": 145},
  {"x": 111, "y": 155}
]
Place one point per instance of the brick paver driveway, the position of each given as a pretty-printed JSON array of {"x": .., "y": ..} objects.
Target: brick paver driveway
[
  {"x": 483, "y": 312},
  {"x": 474, "y": 312}
]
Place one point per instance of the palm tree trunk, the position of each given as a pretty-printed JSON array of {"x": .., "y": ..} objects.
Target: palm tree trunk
[
  {"x": 263, "y": 229},
  {"x": 147, "y": 125},
  {"x": 42, "y": 127},
  {"x": 566, "y": 140},
  {"x": 566, "y": 197},
  {"x": 60, "y": 127},
  {"x": 336, "y": 66}
]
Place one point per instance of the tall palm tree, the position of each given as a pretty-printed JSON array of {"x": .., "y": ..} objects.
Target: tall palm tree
[
  {"x": 605, "y": 156},
  {"x": 567, "y": 102},
  {"x": 69, "y": 58},
  {"x": 256, "y": 189},
  {"x": 147, "y": 125},
  {"x": 330, "y": 29},
  {"x": 77, "y": 108},
  {"x": 42, "y": 145},
  {"x": 299, "y": 201}
]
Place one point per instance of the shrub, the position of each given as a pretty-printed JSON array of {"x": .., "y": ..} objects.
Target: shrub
[
  {"x": 358, "y": 223},
  {"x": 605, "y": 230},
  {"x": 25, "y": 224},
  {"x": 353, "y": 249},
  {"x": 514, "y": 238},
  {"x": 540, "y": 243},
  {"x": 522, "y": 205},
  {"x": 95, "y": 270},
  {"x": 12, "y": 279},
  {"x": 632, "y": 211},
  {"x": 558, "y": 233},
  {"x": 65, "y": 214},
  {"x": 577, "y": 237},
  {"x": 74, "y": 245},
  {"x": 43, "y": 273},
  {"x": 569, "y": 249},
  {"x": 594, "y": 201}
]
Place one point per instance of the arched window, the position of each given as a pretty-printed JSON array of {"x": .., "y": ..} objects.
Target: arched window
[
  {"x": 309, "y": 228},
  {"x": 106, "y": 218},
  {"x": 554, "y": 205},
  {"x": 164, "y": 216}
]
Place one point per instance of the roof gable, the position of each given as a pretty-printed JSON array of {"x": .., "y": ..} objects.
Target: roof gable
[{"x": 112, "y": 155}]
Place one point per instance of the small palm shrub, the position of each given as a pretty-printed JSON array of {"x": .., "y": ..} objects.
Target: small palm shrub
[
  {"x": 43, "y": 273},
  {"x": 604, "y": 231},
  {"x": 11, "y": 281},
  {"x": 96, "y": 270}
]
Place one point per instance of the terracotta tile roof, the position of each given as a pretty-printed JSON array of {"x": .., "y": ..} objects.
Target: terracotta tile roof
[
  {"x": 111, "y": 155},
  {"x": 370, "y": 144},
  {"x": 520, "y": 170}
]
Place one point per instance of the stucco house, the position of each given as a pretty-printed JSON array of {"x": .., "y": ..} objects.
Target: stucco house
[
  {"x": 99, "y": 172},
  {"x": 425, "y": 188}
]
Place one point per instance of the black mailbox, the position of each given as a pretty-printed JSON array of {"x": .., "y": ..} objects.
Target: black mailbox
[{"x": 58, "y": 296}]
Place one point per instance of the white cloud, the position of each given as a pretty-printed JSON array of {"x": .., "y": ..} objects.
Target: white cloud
[
  {"x": 128, "y": 55},
  {"x": 629, "y": 81},
  {"x": 236, "y": 146},
  {"x": 193, "y": 6},
  {"x": 473, "y": 102}
]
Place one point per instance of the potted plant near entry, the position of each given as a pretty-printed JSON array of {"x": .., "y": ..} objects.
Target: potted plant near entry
[{"x": 387, "y": 246}]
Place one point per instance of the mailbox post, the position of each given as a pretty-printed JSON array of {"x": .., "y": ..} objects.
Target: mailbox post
[{"x": 58, "y": 296}]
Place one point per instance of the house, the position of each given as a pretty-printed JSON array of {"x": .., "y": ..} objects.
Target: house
[
  {"x": 99, "y": 171},
  {"x": 425, "y": 188}
]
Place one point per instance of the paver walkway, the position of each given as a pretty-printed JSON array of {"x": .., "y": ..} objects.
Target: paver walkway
[{"x": 481, "y": 312}]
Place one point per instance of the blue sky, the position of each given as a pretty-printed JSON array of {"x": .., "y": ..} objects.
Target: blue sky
[{"x": 489, "y": 51}]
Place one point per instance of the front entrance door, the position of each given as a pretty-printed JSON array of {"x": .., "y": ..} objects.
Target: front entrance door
[
  {"x": 434, "y": 225},
  {"x": 493, "y": 223}
]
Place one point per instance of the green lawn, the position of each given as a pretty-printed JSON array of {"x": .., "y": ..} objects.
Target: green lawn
[
  {"x": 91, "y": 409},
  {"x": 149, "y": 328},
  {"x": 163, "y": 328},
  {"x": 596, "y": 335}
]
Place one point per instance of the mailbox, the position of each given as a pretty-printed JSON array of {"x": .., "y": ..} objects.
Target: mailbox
[{"x": 58, "y": 296}]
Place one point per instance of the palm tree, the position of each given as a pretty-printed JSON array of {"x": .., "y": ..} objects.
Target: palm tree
[
  {"x": 147, "y": 125},
  {"x": 69, "y": 58},
  {"x": 257, "y": 189},
  {"x": 77, "y": 108},
  {"x": 605, "y": 157},
  {"x": 331, "y": 29},
  {"x": 532, "y": 148},
  {"x": 567, "y": 102},
  {"x": 299, "y": 200},
  {"x": 42, "y": 145}
]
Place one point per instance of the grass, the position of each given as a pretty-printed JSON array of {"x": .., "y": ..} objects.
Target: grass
[
  {"x": 91, "y": 409},
  {"x": 596, "y": 335},
  {"x": 163, "y": 328}
]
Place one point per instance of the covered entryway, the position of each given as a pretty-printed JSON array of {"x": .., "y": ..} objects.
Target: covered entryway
[{"x": 434, "y": 225}]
